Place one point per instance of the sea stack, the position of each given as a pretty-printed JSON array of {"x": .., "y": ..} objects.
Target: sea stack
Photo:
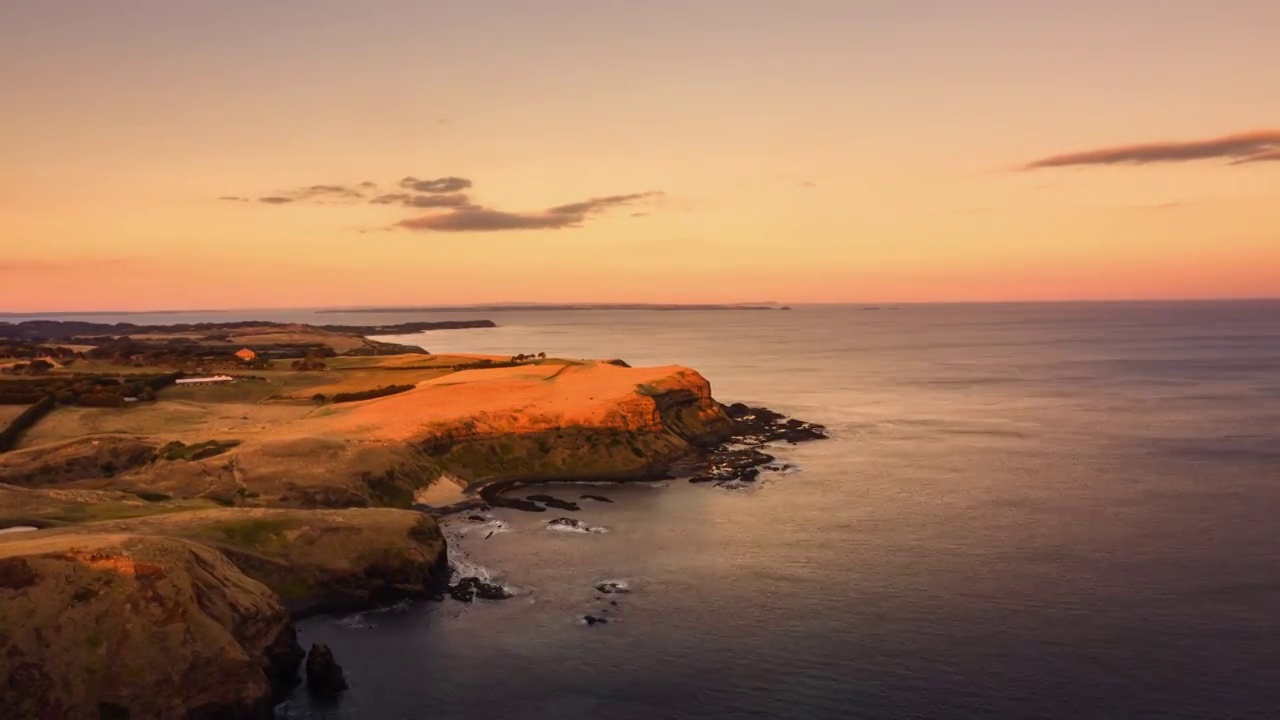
[{"x": 324, "y": 674}]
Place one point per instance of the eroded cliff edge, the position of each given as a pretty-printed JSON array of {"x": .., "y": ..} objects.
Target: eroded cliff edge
[{"x": 189, "y": 546}]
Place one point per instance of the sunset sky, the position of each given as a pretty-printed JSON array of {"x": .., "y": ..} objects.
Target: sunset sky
[{"x": 468, "y": 151}]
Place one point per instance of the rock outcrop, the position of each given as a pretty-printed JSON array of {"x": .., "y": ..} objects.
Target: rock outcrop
[
  {"x": 324, "y": 674},
  {"x": 594, "y": 421},
  {"x": 137, "y": 627},
  {"x": 314, "y": 560}
]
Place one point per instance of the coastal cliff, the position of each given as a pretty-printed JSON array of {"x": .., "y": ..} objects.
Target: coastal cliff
[
  {"x": 120, "y": 626},
  {"x": 176, "y": 553},
  {"x": 187, "y": 614},
  {"x": 587, "y": 420}
]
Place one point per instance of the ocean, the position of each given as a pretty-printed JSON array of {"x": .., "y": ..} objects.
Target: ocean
[{"x": 1025, "y": 511}]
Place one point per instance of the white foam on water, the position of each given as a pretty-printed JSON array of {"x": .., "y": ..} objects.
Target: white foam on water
[
  {"x": 355, "y": 622},
  {"x": 490, "y": 526},
  {"x": 616, "y": 585},
  {"x": 396, "y": 608},
  {"x": 589, "y": 530},
  {"x": 464, "y": 566}
]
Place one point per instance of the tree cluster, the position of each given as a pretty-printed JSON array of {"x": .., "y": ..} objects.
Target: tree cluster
[
  {"x": 30, "y": 416},
  {"x": 309, "y": 364},
  {"x": 85, "y": 390},
  {"x": 26, "y": 351},
  {"x": 370, "y": 394}
]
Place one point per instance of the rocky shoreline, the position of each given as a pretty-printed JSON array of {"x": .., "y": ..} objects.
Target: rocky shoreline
[
  {"x": 732, "y": 460},
  {"x": 149, "y": 571}
]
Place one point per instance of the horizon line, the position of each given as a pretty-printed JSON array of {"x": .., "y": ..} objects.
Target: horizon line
[{"x": 498, "y": 306}]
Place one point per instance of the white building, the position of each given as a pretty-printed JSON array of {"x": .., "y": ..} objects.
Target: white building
[{"x": 211, "y": 380}]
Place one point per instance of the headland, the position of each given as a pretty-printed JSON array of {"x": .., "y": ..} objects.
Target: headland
[{"x": 172, "y": 498}]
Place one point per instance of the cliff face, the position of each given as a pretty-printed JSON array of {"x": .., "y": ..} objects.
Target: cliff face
[
  {"x": 161, "y": 584},
  {"x": 188, "y": 612},
  {"x": 592, "y": 421},
  {"x": 139, "y": 627}
]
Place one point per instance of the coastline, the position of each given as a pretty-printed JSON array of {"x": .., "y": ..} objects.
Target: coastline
[
  {"x": 736, "y": 457},
  {"x": 311, "y": 513}
]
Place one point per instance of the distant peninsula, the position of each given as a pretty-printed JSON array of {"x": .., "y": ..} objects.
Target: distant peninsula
[
  {"x": 537, "y": 307},
  {"x": 64, "y": 330}
]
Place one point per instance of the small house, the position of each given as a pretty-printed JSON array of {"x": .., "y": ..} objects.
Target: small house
[{"x": 246, "y": 354}]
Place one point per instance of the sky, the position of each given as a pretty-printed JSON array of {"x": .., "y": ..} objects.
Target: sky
[{"x": 176, "y": 154}]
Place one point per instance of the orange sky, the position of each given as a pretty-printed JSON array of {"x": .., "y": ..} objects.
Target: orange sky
[{"x": 691, "y": 150}]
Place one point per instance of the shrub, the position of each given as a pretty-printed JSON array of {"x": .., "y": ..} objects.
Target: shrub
[
  {"x": 101, "y": 399},
  {"x": 162, "y": 381},
  {"x": 30, "y": 416},
  {"x": 151, "y": 496},
  {"x": 370, "y": 394}
]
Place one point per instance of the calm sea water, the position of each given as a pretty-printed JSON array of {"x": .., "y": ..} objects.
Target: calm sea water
[{"x": 1026, "y": 511}]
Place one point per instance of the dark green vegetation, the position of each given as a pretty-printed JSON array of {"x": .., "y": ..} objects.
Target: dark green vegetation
[
  {"x": 87, "y": 389},
  {"x": 45, "y": 394},
  {"x": 370, "y": 394},
  {"x": 200, "y": 347},
  {"x": 486, "y": 363},
  {"x": 177, "y": 450},
  {"x": 9, "y": 436}
]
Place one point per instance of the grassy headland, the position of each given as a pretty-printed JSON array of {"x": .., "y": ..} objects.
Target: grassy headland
[{"x": 227, "y": 505}]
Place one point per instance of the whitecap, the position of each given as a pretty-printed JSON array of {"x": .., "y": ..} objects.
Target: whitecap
[
  {"x": 574, "y": 526},
  {"x": 395, "y": 608},
  {"x": 355, "y": 622},
  {"x": 613, "y": 586},
  {"x": 492, "y": 525}
]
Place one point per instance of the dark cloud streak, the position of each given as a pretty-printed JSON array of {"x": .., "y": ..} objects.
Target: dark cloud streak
[
  {"x": 1246, "y": 147},
  {"x": 455, "y": 210},
  {"x": 422, "y": 201},
  {"x": 599, "y": 204},
  {"x": 1268, "y": 156},
  {"x": 439, "y": 185},
  {"x": 480, "y": 219}
]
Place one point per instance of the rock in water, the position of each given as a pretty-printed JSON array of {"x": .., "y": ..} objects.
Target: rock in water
[
  {"x": 554, "y": 502},
  {"x": 593, "y": 620},
  {"x": 612, "y": 587},
  {"x": 469, "y": 588},
  {"x": 571, "y": 525},
  {"x": 324, "y": 674}
]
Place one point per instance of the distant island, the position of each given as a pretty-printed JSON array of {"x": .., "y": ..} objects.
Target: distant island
[{"x": 559, "y": 307}]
